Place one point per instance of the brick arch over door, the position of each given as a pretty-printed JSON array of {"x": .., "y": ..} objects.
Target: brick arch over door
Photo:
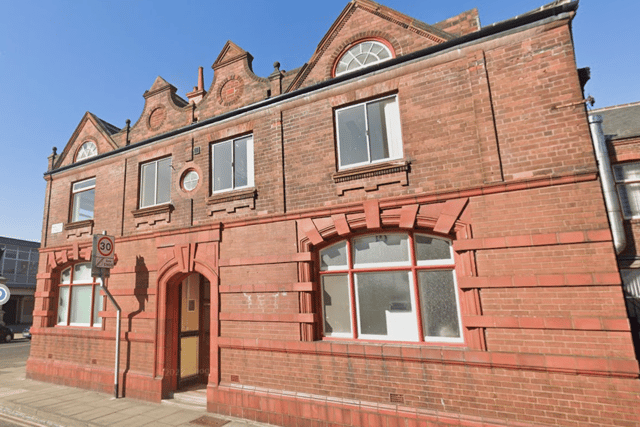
[{"x": 183, "y": 263}]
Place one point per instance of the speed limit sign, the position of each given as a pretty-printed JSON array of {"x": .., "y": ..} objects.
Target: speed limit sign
[{"x": 102, "y": 255}]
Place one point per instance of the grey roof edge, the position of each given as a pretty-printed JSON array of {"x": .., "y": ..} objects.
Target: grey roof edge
[{"x": 557, "y": 9}]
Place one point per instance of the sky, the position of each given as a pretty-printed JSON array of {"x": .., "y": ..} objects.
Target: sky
[{"x": 59, "y": 59}]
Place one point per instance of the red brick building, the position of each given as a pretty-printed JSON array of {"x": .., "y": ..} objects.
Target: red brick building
[{"x": 407, "y": 230}]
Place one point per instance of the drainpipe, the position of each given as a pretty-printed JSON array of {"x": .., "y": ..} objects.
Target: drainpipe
[{"x": 611, "y": 201}]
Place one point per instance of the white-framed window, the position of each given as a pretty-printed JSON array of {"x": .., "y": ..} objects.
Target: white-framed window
[
  {"x": 232, "y": 164},
  {"x": 362, "y": 55},
  {"x": 83, "y": 197},
  {"x": 88, "y": 149},
  {"x": 390, "y": 287},
  {"x": 155, "y": 182},
  {"x": 369, "y": 132},
  {"x": 79, "y": 299},
  {"x": 627, "y": 177}
]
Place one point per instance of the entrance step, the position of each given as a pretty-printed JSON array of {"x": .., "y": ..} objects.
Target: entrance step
[{"x": 193, "y": 398}]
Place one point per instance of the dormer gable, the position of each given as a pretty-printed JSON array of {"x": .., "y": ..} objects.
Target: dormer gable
[
  {"x": 363, "y": 21},
  {"x": 234, "y": 83},
  {"x": 163, "y": 110},
  {"x": 93, "y": 136}
]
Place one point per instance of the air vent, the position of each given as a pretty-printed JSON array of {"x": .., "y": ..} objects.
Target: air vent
[
  {"x": 235, "y": 378},
  {"x": 396, "y": 398},
  {"x": 94, "y": 361},
  {"x": 49, "y": 356},
  {"x": 196, "y": 151}
]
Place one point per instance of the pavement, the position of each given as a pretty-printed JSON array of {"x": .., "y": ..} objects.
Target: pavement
[{"x": 33, "y": 403}]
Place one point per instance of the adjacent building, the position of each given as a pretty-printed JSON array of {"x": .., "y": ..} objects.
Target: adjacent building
[
  {"x": 621, "y": 130},
  {"x": 19, "y": 266},
  {"x": 407, "y": 230}
]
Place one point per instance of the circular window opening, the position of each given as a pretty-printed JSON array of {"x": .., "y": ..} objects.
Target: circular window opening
[{"x": 190, "y": 180}]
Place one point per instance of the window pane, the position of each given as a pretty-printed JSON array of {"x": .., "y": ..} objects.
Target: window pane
[
  {"x": 384, "y": 306},
  {"x": 80, "y": 305},
  {"x": 381, "y": 249},
  {"x": 240, "y": 163},
  {"x": 438, "y": 304},
  {"x": 631, "y": 283},
  {"x": 352, "y": 139},
  {"x": 335, "y": 300},
  {"x": 83, "y": 205},
  {"x": 65, "y": 277},
  {"x": 429, "y": 248},
  {"x": 334, "y": 257},
  {"x": 9, "y": 268},
  {"x": 63, "y": 303},
  {"x": 379, "y": 144},
  {"x": 82, "y": 273},
  {"x": 627, "y": 172},
  {"x": 164, "y": 181},
  {"x": 148, "y": 185},
  {"x": 79, "y": 186},
  {"x": 630, "y": 199},
  {"x": 23, "y": 255},
  {"x": 222, "y": 178},
  {"x": 97, "y": 307}
]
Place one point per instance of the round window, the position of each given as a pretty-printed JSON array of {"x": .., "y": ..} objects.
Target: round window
[{"x": 190, "y": 180}]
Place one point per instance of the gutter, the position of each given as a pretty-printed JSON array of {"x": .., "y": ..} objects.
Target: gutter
[{"x": 484, "y": 32}]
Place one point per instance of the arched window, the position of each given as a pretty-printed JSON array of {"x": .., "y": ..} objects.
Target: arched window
[
  {"x": 391, "y": 287},
  {"x": 79, "y": 299},
  {"x": 362, "y": 55},
  {"x": 87, "y": 150}
]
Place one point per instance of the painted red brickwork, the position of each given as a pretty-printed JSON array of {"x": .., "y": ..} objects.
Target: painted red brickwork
[{"x": 492, "y": 159}]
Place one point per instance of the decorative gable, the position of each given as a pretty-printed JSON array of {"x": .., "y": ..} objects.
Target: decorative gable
[
  {"x": 234, "y": 83},
  {"x": 91, "y": 129},
  {"x": 365, "y": 20},
  {"x": 163, "y": 110}
]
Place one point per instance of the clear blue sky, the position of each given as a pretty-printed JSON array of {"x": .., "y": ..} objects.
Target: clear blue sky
[{"x": 59, "y": 59}]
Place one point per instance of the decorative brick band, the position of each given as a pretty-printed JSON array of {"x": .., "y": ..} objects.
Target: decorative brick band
[
  {"x": 614, "y": 324},
  {"x": 576, "y": 365},
  {"x": 526, "y": 240},
  {"x": 541, "y": 280},
  {"x": 267, "y": 287},
  {"x": 274, "y": 259},
  {"x": 276, "y": 318}
]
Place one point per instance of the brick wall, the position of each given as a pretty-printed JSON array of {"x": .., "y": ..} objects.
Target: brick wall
[{"x": 496, "y": 157}]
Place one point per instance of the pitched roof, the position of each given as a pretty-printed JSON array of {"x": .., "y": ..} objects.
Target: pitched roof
[{"x": 620, "y": 121}]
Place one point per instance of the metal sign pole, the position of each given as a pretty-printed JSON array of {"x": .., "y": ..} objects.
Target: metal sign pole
[
  {"x": 102, "y": 258},
  {"x": 118, "y": 312}
]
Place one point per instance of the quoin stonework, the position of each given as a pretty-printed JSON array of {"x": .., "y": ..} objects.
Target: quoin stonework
[{"x": 408, "y": 230}]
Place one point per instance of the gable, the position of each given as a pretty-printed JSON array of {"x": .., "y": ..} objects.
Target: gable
[
  {"x": 366, "y": 20},
  {"x": 90, "y": 129}
]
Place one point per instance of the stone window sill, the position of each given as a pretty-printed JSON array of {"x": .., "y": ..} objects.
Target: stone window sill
[
  {"x": 370, "y": 177},
  {"x": 229, "y": 201},
  {"x": 152, "y": 215}
]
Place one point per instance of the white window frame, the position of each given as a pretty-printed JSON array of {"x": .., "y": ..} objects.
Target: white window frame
[
  {"x": 393, "y": 134},
  {"x": 87, "y": 150},
  {"x": 66, "y": 302},
  {"x": 78, "y": 188},
  {"x": 358, "y": 52},
  {"x": 155, "y": 186},
  {"x": 249, "y": 161},
  {"x": 628, "y": 189},
  {"x": 407, "y": 324}
]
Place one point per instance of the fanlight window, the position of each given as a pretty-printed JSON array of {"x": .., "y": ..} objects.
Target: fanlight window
[
  {"x": 87, "y": 150},
  {"x": 391, "y": 287},
  {"x": 362, "y": 55}
]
